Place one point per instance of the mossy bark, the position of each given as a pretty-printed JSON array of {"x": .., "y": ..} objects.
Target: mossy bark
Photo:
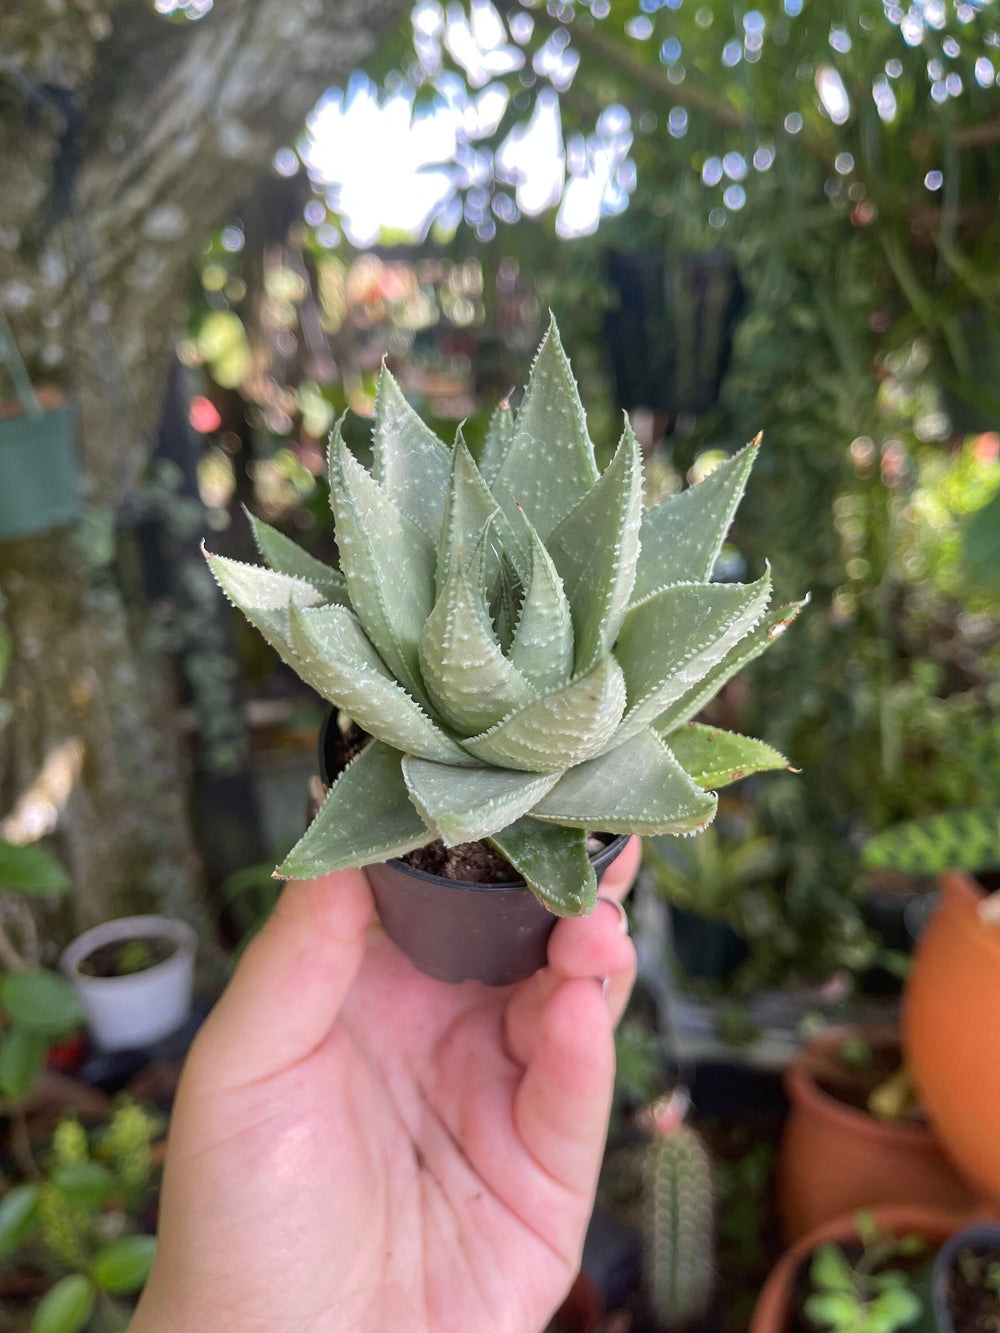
[{"x": 115, "y": 170}]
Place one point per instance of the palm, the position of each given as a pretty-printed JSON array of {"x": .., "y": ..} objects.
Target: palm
[{"x": 395, "y": 1173}]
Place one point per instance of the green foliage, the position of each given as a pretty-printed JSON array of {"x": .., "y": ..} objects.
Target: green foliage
[
  {"x": 951, "y": 840},
  {"x": 679, "y": 1227},
  {"x": 868, "y": 1296},
  {"x": 520, "y": 638},
  {"x": 31, "y": 871},
  {"x": 80, "y": 1220}
]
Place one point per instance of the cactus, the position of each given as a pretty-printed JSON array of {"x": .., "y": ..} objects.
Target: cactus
[
  {"x": 679, "y": 1226},
  {"x": 525, "y": 644}
]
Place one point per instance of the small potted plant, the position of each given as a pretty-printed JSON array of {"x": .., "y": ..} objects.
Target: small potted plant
[
  {"x": 523, "y": 649},
  {"x": 134, "y": 977},
  {"x": 862, "y": 1273},
  {"x": 954, "y": 980},
  {"x": 39, "y": 470},
  {"x": 856, "y": 1136},
  {"x": 966, "y": 1280}
]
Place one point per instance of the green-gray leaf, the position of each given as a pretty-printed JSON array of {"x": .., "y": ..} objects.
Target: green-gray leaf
[
  {"x": 637, "y": 788},
  {"x": 553, "y": 862},
  {"x": 714, "y": 758},
  {"x": 499, "y": 437},
  {"x": 66, "y": 1307},
  {"x": 388, "y": 563},
  {"x": 466, "y": 804},
  {"x": 676, "y": 636},
  {"x": 283, "y": 555},
  {"x": 17, "y": 1215},
  {"x": 542, "y": 647},
  {"x": 331, "y": 653},
  {"x": 41, "y": 1002},
  {"x": 123, "y": 1265},
  {"x": 595, "y": 549},
  {"x": 252, "y": 588},
  {"x": 31, "y": 871},
  {"x": 469, "y": 507},
  {"x": 681, "y": 536},
  {"x": 366, "y": 817},
  {"x": 549, "y": 466},
  {"x": 410, "y": 462},
  {"x": 692, "y": 701},
  {"x": 468, "y": 679},
  {"x": 558, "y": 729},
  {"x": 22, "y": 1059}
]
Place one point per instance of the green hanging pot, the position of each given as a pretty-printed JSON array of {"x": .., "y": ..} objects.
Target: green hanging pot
[{"x": 39, "y": 472}]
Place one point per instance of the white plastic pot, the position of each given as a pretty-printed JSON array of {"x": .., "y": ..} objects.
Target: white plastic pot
[{"x": 135, "y": 1010}]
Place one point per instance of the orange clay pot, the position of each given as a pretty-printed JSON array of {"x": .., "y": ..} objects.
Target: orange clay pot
[
  {"x": 835, "y": 1159},
  {"x": 951, "y": 1030},
  {"x": 773, "y": 1309}
]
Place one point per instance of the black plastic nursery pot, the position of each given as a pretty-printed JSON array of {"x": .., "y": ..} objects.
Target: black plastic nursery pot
[
  {"x": 982, "y": 1237},
  {"x": 454, "y": 930}
]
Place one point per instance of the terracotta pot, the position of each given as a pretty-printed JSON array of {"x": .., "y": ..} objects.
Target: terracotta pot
[
  {"x": 582, "y": 1310},
  {"x": 950, "y": 1036},
  {"x": 835, "y": 1159},
  {"x": 773, "y": 1309}
]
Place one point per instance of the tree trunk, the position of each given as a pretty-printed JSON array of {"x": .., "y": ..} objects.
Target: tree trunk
[{"x": 125, "y": 138}]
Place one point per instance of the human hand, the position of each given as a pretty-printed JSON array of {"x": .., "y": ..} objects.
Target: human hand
[{"x": 357, "y": 1148}]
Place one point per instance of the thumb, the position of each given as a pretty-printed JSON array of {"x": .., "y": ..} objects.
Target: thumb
[{"x": 290, "y": 985}]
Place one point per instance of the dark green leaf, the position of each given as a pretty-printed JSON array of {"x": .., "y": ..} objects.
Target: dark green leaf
[
  {"x": 22, "y": 1058},
  {"x": 553, "y": 863},
  {"x": 123, "y": 1265},
  {"x": 30, "y": 870},
  {"x": 85, "y": 1183},
  {"x": 66, "y": 1307},
  {"x": 17, "y": 1213},
  {"x": 41, "y": 1002}
]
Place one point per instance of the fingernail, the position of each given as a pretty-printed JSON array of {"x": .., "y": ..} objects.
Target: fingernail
[
  {"x": 622, "y": 914},
  {"x": 606, "y": 988}
]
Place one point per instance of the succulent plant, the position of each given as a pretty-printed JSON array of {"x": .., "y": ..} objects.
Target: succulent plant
[
  {"x": 524, "y": 643},
  {"x": 679, "y": 1228}
]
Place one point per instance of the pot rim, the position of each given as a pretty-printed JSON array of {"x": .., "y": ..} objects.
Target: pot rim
[
  {"x": 965, "y": 893},
  {"x": 611, "y": 850},
  {"x": 803, "y": 1090},
  {"x": 123, "y": 928}
]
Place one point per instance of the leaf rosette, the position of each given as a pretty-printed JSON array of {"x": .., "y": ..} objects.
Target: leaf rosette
[{"x": 525, "y": 643}]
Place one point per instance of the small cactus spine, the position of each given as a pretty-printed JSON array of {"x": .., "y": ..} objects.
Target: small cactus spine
[{"x": 679, "y": 1226}]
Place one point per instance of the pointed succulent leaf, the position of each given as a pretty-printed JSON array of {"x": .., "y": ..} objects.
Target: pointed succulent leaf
[
  {"x": 595, "y": 549},
  {"x": 676, "y": 636},
  {"x": 637, "y": 788},
  {"x": 693, "y": 700},
  {"x": 387, "y": 561},
  {"x": 466, "y": 675},
  {"x": 542, "y": 647},
  {"x": 469, "y": 506},
  {"x": 410, "y": 462},
  {"x": 549, "y": 466},
  {"x": 553, "y": 862},
  {"x": 558, "y": 729},
  {"x": 330, "y": 653},
  {"x": 466, "y": 804},
  {"x": 366, "y": 817},
  {"x": 682, "y": 536},
  {"x": 505, "y": 601},
  {"x": 253, "y": 588},
  {"x": 499, "y": 437},
  {"x": 281, "y": 553},
  {"x": 715, "y": 758}
]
